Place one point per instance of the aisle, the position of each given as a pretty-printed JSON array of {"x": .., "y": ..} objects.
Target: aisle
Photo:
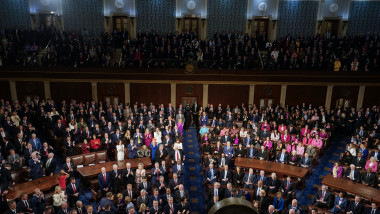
[
  {"x": 193, "y": 175},
  {"x": 326, "y": 162}
]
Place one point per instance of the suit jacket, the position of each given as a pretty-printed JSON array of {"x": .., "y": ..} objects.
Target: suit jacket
[
  {"x": 51, "y": 168},
  {"x": 263, "y": 203},
  {"x": 291, "y": 186},
  {"x": 104, "y": 183},
  {"x": 228, "y": 176},
  {"x": 225, "y": 139},
  {"x": 167, "y": 208},
  {"x": 152, "y": 198},
  {"x": 354, "y": 208},
  {"x": 305, "y": 161},
  {"x": 254, "y": 153},
  {"x": 226, "y": 161},
  {"x": 252, "y": 178},
  {"x": 211, "y": 194},
  {"x": 140, "y": 200},
  {"x": 70, "y": 191},
  {"x": 327, "y": 197},
  {"x": 369, "y": 178},
  {"x": 148, "y": 187},
  {"x": 256, "y": 194},
  {"x": 21, "y": 207},
  {"x": 153, "y": 211},
  {"x": 208, "y": 174},
  {"x": 356, "y": 174},
  {"x": 358, "y": 163},
  {"x": 343, "y": 204},
  {"x": 368, "y": 210},
  {"x": 177, "y": 195},
  {"x": 262, "y": 154},
  {"x": 58, "y": 131},
  {"x": 273, "y": 183},
  {"x": 285, "y": 159},
  {"x": 247, "y": 142}
]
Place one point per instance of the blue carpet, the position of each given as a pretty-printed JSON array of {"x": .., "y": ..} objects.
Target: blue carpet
[
  {"x": 337, "y": 146},
  {"x": 193, "y": 173}
]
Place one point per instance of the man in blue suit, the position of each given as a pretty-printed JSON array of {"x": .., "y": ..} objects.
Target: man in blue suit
[
  {"x": 261, "y": 177},
  {"x": 251, "y": 152},
  {"x": 229, "y": 119},
  {"x": 340, "y": 203},
  {"x": 35, "y": 165},
  {"x": 104, "y": 181},
  {"x": 247, "y": 141},
  {"x": 204, "y": 119},
  {"x": 117, "y": 136},
  {"x": 211, "y": 174},
  {"x": 36, "y": 143},
  {"x": 249, "y": 179},
  {"x": 229, "y": 150},
  {"x": 305, "y": 161},
  {"x": 72, "y": 191}
]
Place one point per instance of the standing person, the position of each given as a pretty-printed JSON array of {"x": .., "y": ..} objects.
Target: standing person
[
  {"x": 188, "y": 113},
  {"x": 120, "y": 151}
]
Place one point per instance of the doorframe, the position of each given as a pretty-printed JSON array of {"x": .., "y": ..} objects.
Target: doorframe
[
  {"x": 324, "y": 23},
  {"x": 189, "y": 98}
]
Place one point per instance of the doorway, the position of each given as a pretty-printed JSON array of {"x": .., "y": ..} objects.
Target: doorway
[
  {"x": 191, "y": 25},
  {"x": 112, "y": 100},
  {"x": 47, "y": 19},
  {"x": 188, "y": 100},
  {"x": 260, "y": 27},
  {"x": 120, "y": 23},
  {"x": 331, "y": 27}
]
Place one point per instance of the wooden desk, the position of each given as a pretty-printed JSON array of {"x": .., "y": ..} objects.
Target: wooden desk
[
  {"x": 357, "y": 189},
  {"x": 267, "y": 166},
  {"x": 44, "y": 184},
  {"x": 93, "y": 171}
]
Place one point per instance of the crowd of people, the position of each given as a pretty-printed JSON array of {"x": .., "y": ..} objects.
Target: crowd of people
[
  {"x": 293, "y": 135},
  {"x": 225, "y": 50}
]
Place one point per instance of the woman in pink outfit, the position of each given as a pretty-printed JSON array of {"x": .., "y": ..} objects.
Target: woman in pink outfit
[
  {"x": 147, "y": 137},
  {"x": 372, "y": 163},
  {"x": 317, "y": 142},
  {"x": 268, "y": 144},
  {"x": 307, "y": 140}
]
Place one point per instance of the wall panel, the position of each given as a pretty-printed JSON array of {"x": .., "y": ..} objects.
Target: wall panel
[
  {"x": 228, "y": 94},
  {"x": 30, "y": 89},
  {"x": 363, "y": 17},
  {"x": 345, "y": 92},
  {"x": 226, "y": 15},
  {"x": 14, "y": 14},
  {"x": 155, "y": 15},
  {"x": 146, "y": 93},
  {"x": 267, "y": 92},
  {"x": 88, "y": 14},
  {"x": 297, "y": 94},
  {"x": 80, "y": 91},
  {"x": 297, "y": 18},
  {"x": 189, "y": 90},
  {"x": 5, "y": 91},
  {"x": 371, "y": 96},
  {"x": 111, "y": 90}
]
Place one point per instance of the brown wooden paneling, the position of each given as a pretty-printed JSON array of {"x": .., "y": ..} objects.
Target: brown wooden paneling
[
  {"x": 111, "y": 89},
  {"x": 371, "y": 96},
  {"x": 32, "y": 89},
  {"x": 79, "y": 91},
  {"x": 297, "y": 94},
  {"x": 345, "y": 92},
  {"x": 228, "y": 94},
  {"x": 189, "y": 90},
  {"x": 267, "y": 91},
  {"x": 146, "y": 93},
  {"x": 5, "y": 90}
]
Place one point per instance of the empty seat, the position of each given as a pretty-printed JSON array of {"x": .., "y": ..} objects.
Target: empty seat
[
  {"x": 77, "y": 160},
  {"x": 101, "y": 156},
  {"x": 89, "y": 159}
]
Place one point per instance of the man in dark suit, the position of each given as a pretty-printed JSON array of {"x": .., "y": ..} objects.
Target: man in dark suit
[
  {"x": 211, "y": 175},
  {"x": 216, "y": 191},
  {"x": 358, "y": 161},
  {"x": 155, "y": 208},
  {"x": 166, "y": 196},
  {"x": 294, "y": 206},
  {"x": 35, "y": 165},
  {"x": 225, "y": 176},
  {"x": 355, "y": 207},
  {"x": 72, "y": 191},
  {"x": 183, "y": 206},
  {"x": 248, "y": 141},
  {"x": 6, "y": 177},
  {"x": 170, "y": 207},
  {"x": 209, "y": 160},
  {"x": 305, "y": 161},
  {"x": 223, "y": 160},
  {"x": 129, "y": 175},
  {"x": 368, "y": 178},
  {"x": 59, "y": 129},
  {"x": 353, "y": 174},
  {"x": 322, "y": 198},
  {"x": 264, "y": 134},
  {"x": 143, "y": 198},
  {"x": 50, "y": 165},
  {"x": 180, "y": 193},
  {"x": 226, "y": 138},
  {"x": 25, "y": 205},
  {"x": 251, "y": 152},
  {"x": 373, "y": 209},
  {"x": 249, "y": 179},
  {"x": 115, "y": 176},
  {"x": 195, "y": 109},
  {"x": 260, "y": 186},
  {"x": 69, "y": 167},
  {"x": 104, "y": 181},
  {"x": 80, "y": 208},
  {"x": 287, "y": 187},
  {"x": 282, "y": 157},
  {"x": 130, "y": 193},
  {"x": 145, "y": 185},
  {"x": 262, "y": 154},
  {"x": 155, "y": 197},
  {"x": 261, "y": 177},
  {"x": 160, "y": 154},
  {"x": 175, "y": 182}
]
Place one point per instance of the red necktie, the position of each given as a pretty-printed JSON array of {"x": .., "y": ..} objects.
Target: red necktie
[
  {"x": 74, "y": 188},
  {"x": 158, "y": 175},
  {"x": 46, "y": 152},
  {"x": 287, "y": 185},
  {"x": 104, "y": 176},
  {"x": 323, "y": 195},
  {"x": 130, "y": 194},
  {"x": 177, "y": 156}
]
